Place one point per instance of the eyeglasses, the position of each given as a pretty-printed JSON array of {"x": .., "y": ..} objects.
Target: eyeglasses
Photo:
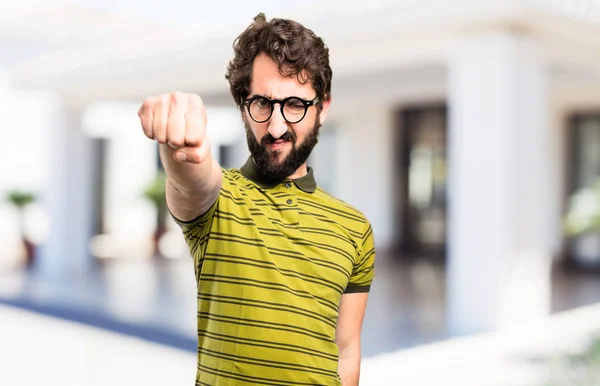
[{"x": 293, "y": 109}]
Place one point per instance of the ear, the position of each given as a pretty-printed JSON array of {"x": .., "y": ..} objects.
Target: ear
[{"x": 324, "y": 109}]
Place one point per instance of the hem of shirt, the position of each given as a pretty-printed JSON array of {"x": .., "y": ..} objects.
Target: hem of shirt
[{"x": 357, "y": 289}]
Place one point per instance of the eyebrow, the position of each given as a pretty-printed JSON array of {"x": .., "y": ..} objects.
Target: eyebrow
[
  {"x": 259, "y": 95},
  {"x": 268, "y": 97}
]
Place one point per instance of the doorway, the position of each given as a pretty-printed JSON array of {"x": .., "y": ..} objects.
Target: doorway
[
  {"x": 421, "y": 181},
  {"x": 584, "y": 170}
]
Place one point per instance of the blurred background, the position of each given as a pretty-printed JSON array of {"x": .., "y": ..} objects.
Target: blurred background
[{"x": 468, "y": 132}]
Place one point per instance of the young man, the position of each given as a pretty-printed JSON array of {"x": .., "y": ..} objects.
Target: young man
[{"x": 283, "y": 269}]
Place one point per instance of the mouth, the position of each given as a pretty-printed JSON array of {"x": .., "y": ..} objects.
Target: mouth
[{"x": 278, "y": 144}]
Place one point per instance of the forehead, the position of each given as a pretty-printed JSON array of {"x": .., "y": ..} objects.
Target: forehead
[{"x": 266, "y": 80}]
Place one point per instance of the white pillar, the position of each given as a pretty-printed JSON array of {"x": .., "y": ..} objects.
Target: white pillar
[
  {"x": 499, "y": 260},
  {"x": 10, "y": 245},
  {"x": 23, "y": 164},
  {"x": 324, "y": 157},
  {"x": 69, "y": 200},
  {"x": 131, "y": 164},
  {"x": 364, "y": 167},
  {"x": 225, "y": 128}
]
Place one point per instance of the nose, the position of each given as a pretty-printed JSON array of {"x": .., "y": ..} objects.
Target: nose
[{"x": 277, "y": 124}]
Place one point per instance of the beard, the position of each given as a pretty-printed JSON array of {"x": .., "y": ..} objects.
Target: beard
[{"x": 266, "y": 161}]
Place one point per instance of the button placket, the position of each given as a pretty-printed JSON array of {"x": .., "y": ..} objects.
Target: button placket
[{"x": 288, "y": 185}]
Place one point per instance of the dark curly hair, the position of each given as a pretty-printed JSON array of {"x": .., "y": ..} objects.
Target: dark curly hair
[{"x": 295, "y": 48}]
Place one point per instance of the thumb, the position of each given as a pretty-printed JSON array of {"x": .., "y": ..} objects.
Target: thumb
[{"x": 193, "y": 154}]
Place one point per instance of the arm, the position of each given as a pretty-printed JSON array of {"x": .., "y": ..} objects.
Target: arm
[
  {"x": 177, "y": 122},
  {"x": 347, "y": 336}
]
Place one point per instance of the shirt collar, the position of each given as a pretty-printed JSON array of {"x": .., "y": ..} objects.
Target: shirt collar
[{"x": 306, "y": 183}]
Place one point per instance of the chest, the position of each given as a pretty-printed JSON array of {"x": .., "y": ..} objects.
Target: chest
[{"x": 286, "y": 231}]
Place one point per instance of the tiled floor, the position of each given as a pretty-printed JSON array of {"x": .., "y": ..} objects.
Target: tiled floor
[
  {"x": 156, "y": 300},
  {"x": 74, "y": 354}
]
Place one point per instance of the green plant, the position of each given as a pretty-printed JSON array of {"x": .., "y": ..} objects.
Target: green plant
[
  {"x": 20, "y": 198},
  {"x": 155, "y": 193},
  {"x": 582, "y": 369},
  {"x": 583, "y": 214}
]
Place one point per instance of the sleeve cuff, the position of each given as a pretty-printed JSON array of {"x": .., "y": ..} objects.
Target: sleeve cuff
[
  {"x": 182, "y": 222},
  {"x": 192, "y": 221},
  {"x": 356, "y": 289}
]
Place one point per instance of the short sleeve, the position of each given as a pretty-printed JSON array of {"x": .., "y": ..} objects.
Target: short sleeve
[
  {"x": 364, "y": 267},
  {"x": 197, "y": 231}
]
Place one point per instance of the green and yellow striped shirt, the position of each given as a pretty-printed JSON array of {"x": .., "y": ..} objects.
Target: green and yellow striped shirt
[{"x": 272, "y": 263}]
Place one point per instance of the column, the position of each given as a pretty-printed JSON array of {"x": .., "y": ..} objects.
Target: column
[
  {"x": 225, "y": 128},
  {"x": 130, "y": 165},
  {"x": 10, "y": 245},
  {"x": 499, "y": 253},
  {"x": 24, "y": 165},
  {"x": 364, "y": 166},
  {"x": 69, "y": 199}
]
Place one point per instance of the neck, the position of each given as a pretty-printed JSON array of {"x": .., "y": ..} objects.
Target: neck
[{"x": 300, "y": 172}]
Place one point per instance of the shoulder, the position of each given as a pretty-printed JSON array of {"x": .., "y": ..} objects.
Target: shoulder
[
  {"x": 347, "y": 213},
  {"x": 233, "y": 178},
  {"x": 232, "y": 175},
  {"x": 237, "y": 185},
  {"x": 337, "y": 203}
]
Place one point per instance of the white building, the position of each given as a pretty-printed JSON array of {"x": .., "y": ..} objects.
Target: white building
[{"x": 457, "y": 126}]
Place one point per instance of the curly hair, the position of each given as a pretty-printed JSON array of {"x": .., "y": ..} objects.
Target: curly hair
[{"x": 295, "y": 48}]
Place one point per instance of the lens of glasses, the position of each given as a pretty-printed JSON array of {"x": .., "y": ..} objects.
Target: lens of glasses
[
  {"x": 260, "y": 109},
  {"x": 293, "y": 110}
]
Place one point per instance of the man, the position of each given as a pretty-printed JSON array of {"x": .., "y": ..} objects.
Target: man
[{"x": 283, "y": 269}]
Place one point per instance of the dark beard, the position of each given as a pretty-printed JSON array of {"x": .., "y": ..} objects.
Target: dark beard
[{"x": 264, "y": 160}]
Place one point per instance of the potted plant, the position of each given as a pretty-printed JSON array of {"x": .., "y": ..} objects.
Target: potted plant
[
  {"x": 20, "y": 199},
  {"x": 155, "y": 193},
  {"x": 576, "y": 369},
  {"x": 582, "y": 224}
]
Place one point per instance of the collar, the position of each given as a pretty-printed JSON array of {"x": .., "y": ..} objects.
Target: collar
[{"x": 306, "y": 183}]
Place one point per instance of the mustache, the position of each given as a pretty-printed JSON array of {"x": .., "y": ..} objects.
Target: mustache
[{"x": 269, "y": 139}]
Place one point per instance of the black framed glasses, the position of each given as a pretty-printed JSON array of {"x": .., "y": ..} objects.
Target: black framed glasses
[{"x": 293, "y": 109}]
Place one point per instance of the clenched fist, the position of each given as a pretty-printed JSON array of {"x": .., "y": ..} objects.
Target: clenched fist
[{"x": 179, "y": 121}]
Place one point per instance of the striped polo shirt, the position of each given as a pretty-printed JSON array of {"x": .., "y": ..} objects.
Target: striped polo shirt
[{"x": 272, "y": 262}]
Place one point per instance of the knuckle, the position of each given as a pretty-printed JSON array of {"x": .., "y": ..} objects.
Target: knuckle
[
  {"x": 193, "y": 139},
  {"x": 177, "y": 97},
  {"x": 175, "y": 141},
  {"x": 148, "y": 104},
  {"x": 195, "y": 98},
  {"x": 196, "y": 102},
  {"x": 164, "y": 99},
  {"x": 160, "y": 135}
]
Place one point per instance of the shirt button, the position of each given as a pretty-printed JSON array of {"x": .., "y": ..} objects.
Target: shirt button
[
  {"x": 289, "y": 201},
  {"x": 288, "y": 185}
]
